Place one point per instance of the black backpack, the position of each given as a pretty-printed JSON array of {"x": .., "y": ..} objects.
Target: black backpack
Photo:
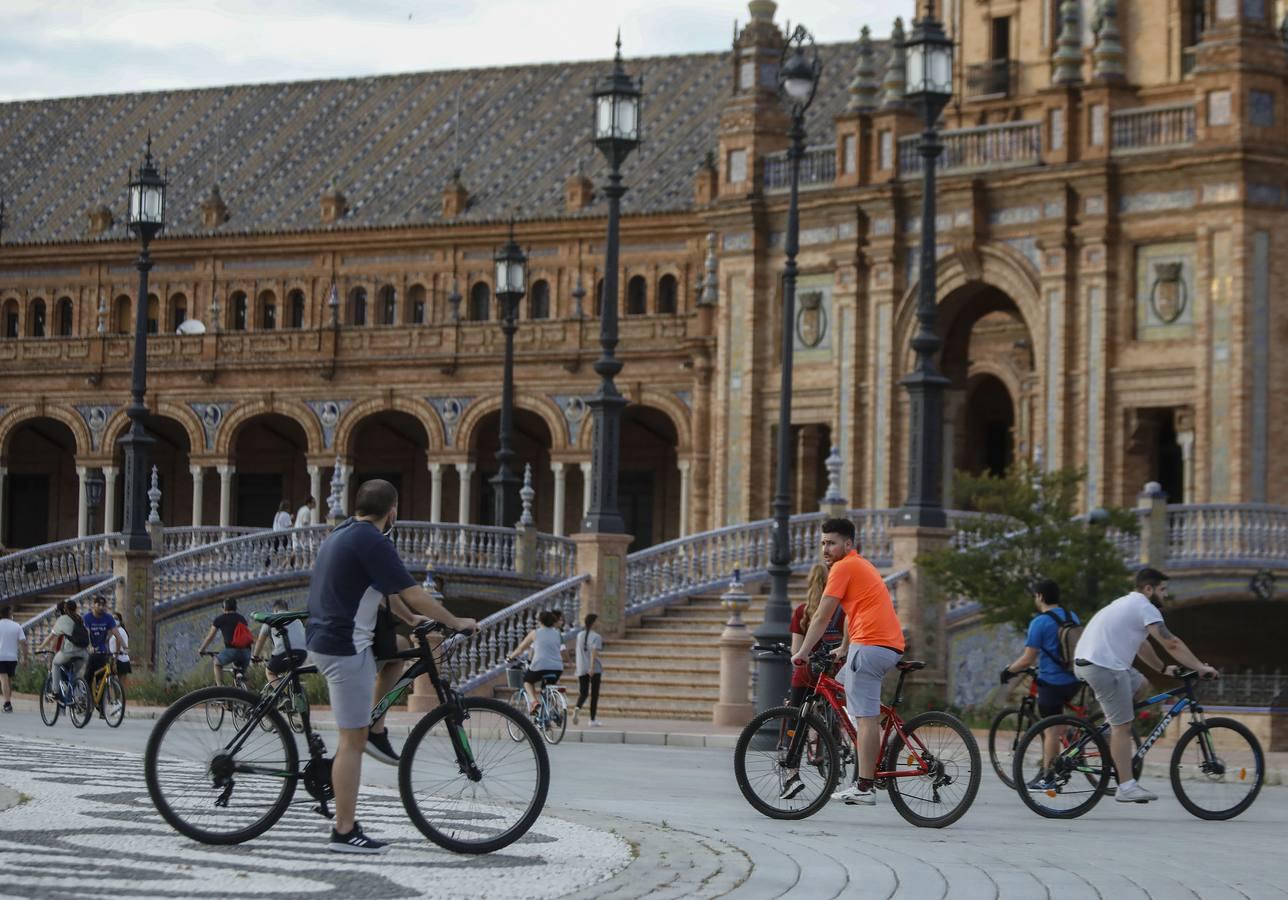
[
  {"x": 80, "y": 635},
  {"x": 1067, "y": 635}
]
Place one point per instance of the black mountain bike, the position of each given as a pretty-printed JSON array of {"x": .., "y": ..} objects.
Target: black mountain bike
[{"x": 473, "y": 775}]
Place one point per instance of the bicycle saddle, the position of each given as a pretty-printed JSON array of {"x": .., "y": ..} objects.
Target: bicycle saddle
[
  {"x": 279, "y": 620},
  {"x": 549, "y": 679},
  {"x": 911, "y": 665}
]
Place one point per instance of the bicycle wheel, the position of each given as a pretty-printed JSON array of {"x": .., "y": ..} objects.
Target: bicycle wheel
[
  {"x": 113, "y": 702},
  {"x": 214, "y": 716},
  {"x": 760, "y": 763},
  {"x": 520, "y": 703},
  {"x": 81, "y": 708},
  {"x": 1071, "y": 783},
  {"x": 49, "y": 705},
  {"x": 947, "y": 750},
  {"x": 1003, "y": 736},
  {"x": 204, "y": 790},
  {"x": 555, "y": 721},
  {"x": 1217, "y": 769},
  {"x": 481, "y": 807}
]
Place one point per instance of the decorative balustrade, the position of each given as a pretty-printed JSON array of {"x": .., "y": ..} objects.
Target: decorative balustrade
[
  {"x": 38, "y": 627},
  {"x": 250, "y": 557},
  {"x": 988, "y": 146},
  {"x": 50, "y": 566},
  {"x": 1247, "y": 689},
  {"x": 1151, "y": 128},
  {"x": 176, "y": 540},
  {"x": 818, "y": 166},
  {"x": 1206, "y": 534},
  {"x": 556, "y": 557},
  {"x": 473, "y": 660},
  {"x": 994, "y": 78},
  {"x": 481, "y": 548},
  {"x": 892, "y": 583}
]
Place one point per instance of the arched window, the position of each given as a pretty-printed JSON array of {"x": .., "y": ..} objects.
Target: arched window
[
  {"x": 387, "y": 303},
  {"x": 539, "y": 300},
  {"x": 599, "y": 297},
  {"x": 178, "y": 310},
  {"x": 419, "y": 304},
  {"x": 266, "y": 307},
  {"x": 154, "y": 313},
  {"x": 11, "y": 318},
  {"x": 358, "y": 306},
  {"x": 36, "y": 318},
  {"x": 240, "y": 311},
  {"x": 668, "y": 295},
  {"x": 122, "y": 317},
  {"x": 65, "y": 317},
  {"x": 296, "y": 300},
  {"x": 636, "y": 296},
  {"x": 480, "y": 302}
]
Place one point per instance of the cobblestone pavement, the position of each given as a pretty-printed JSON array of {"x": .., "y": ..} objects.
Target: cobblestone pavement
[{"x": 693, "y": 836}]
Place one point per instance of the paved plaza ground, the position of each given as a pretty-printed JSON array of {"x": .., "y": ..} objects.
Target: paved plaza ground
[{"x": 623, "y": 820}]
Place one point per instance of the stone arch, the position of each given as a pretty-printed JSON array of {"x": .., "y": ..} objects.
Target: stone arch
[
  {"x": 534, "y": 403},
  {"x": 14, "y": 419},
  {"x": 179, "y": 412},
  {"x": 225, "y": 438},
  {"x": 667, "y": 404},
  {"x": 419, "y": 410}
]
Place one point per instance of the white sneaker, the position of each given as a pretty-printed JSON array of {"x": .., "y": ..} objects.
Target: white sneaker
[
  {"x": 576, "y": 714},
  {"x": 852, "y": 796},
  {"x": 1134, "y": 794},
  {"x": 595, "y": 723}
]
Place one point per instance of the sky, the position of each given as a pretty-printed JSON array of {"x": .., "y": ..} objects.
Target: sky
[{"x": 64, "y": 48}]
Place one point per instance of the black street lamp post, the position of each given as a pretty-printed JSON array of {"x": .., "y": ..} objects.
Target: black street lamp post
[
  {"x": 146, "y": 218},
  {"x": 930, "y": 87},
  {"x": 617, "y": 133},
  {"x": 798, "y": 76},
  {"x": 511, "y": 285}
]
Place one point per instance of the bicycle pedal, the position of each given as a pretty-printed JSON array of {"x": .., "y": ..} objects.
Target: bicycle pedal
[{"x": 322, "y": 810}]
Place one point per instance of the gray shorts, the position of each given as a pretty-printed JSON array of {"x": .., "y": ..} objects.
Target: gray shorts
[
  {"x": 1114, "y": 689},
  {"x": 864, "y": 668},
  {"x": 351, "y": 681}
]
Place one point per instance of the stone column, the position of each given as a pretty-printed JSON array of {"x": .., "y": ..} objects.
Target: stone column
[
  {"x": 435, "y": 492},
  {"x": 922, "y": 613},
  {"x": 585, "y": 488},
  {"x": 315, "y": 487},
  {"x": 464, "y": 473},
  {"x": 603, "y": 558},
  {"x": 226, "y": 472},
  {"x": 134, "y": 602},
  {"x": 82, "y": 503},
  {"x": 686, "y": 488},
  {"x": 561, "y": 496},
  {"x": 1186, "y": 441},
  {"x": 109, "y": 499},
  {"x": 198, "y": 494},
  {"x": 734, "y": 707},
  {"x": 1153, "y": 525}
]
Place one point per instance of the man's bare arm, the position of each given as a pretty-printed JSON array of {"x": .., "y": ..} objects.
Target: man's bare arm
[
  {"x": 1176, "y": 647},
  {"x": 1151, "y": 658},
  {"x": 419, "y": 601},
  {"x": 818, "y": 624}
]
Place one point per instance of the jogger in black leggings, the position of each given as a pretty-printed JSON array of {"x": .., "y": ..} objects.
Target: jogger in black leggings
[{"x": 590, "y": 669}]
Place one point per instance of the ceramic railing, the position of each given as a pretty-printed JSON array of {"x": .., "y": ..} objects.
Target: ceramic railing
[
  {"x": 556, "y": 557},
  {"x": 48, "y": 566},
  {"x": 1204, "y": 534},
  {"x": 176, "y": 540}
]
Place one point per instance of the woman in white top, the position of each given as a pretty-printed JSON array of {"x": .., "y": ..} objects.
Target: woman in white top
[
  {"x": 590, "y": 646},
  {"x": 121, "y": 651},
  {"x": 282, "y": 521},
  {"x": 547, "y": 646}
]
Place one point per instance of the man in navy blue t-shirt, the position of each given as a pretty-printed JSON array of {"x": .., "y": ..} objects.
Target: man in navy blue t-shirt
[
  {"x": 1057, "y": 684},
  {"x": 356, "y": 566}
]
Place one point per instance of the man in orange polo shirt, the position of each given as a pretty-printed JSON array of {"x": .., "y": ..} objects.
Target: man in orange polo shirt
[{"x": 876, "y": 643}]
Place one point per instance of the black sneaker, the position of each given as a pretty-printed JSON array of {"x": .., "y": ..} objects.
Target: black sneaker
[
  {"x": 793, "y": 787},
  {"x": 379, "y": 748},
  {"x": 356, "y": 842},
  {"x": 8, "y": 707}
]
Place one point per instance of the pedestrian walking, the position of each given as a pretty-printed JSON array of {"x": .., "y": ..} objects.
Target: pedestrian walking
[
  {"x": 833, "y": 636},
  {"x": 11, "y": 635},
  {"x": 590, "y": 669},
  {"x": 303, "y": 519}
]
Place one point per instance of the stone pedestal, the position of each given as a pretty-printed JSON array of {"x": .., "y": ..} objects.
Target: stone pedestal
[
  {"x": 603, "y": 558},
  {"x": 921, "y": 608},
  {"x": 735, "y": 662},
  {"x": 1153, "y": 525},
  {"x": 134, "y": 602},
  {"x": 525, "y": 550}
]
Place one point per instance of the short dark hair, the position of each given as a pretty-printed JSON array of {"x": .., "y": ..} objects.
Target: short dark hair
[
  {"x": 376, "y": 497},
  {"x": 100, "y": 599},
  {"x": 5, "y": 612},
  {"x": 1048, "y": 590},
  {"x": 310, "y": 500},
  {"x": 843, "y": 527},
  {"x": 1148, "y": 577},
  {"x": 230, "y": 604},
  {"x": 547, "y": 618},
  {"x": 280, "y": 604}
]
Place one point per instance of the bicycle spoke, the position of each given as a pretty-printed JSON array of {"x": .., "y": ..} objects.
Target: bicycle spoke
[
  {"x": 944, "y": 749},
  {"x": 1063, "y": 767},
  {"x": 764, "y": 768},
  {"x": 1217, "y": 769}
]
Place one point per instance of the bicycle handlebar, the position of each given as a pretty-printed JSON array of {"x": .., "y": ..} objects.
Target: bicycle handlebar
[{"x": 425, "y": 628}]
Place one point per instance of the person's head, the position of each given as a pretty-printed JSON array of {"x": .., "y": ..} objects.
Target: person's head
[
  {"x": 7, "y": 613},
  {"x": 310, "y": 503},
  {"x": 559, "y": 616},
  {"x": 1046, "y": 593},
  {"x": 547, "y": 618},
  {"x": 284, "y": 506},
  {"x": 838, "y": 539},
  {"x": 69, "y": 609},
  {"x": 813, "y": 592},
  {"x": 591, "y": 619},
  {"x": 60, "y": 607},
  {"x": 230, "y": 604},
  {"x": 119, "y": 619},
  {"x": 1153, "y": 584},
  {"x": 99, "y": 605},
  {"x": 279, "y": 606},
  {"x": 377, "y": 502}
]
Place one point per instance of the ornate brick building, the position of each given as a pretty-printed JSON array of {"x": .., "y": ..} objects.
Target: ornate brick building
[{"x": 1111, "y": 233}]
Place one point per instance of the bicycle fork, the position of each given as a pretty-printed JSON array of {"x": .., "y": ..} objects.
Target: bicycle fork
[{"x": 456, "y": 717}]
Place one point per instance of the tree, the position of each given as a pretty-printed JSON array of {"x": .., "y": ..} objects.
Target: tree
[{"x": 1028, "y": 528}]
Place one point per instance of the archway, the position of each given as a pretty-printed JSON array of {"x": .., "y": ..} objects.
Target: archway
[
  {"x": 648, "y": 491},
  {"x": 393, "y": 445},
  {"x": 531, "y": 443},
  {"x": 269, "y": 452},
  {"x": 42, "y": 491},
  {"x": 987, "y": 422},
  {"x": 1216, "y": 629},
  {"x": 169, "y": 453}
]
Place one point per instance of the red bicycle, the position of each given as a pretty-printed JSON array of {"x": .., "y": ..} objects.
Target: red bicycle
[{"x": 929, "y": 765}]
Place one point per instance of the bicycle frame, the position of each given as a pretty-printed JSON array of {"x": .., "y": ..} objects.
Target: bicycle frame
[{"x": 1185, "y": 695}]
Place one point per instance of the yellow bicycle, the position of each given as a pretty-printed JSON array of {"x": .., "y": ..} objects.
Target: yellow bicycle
[{"x": 107, "y": 694}]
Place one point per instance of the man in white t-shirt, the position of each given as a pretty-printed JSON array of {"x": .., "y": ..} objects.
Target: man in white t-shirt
[
  {"x": 1109, "y": 645},
  {"x": 304, "y": 515},
  {"x": 11, "y": 635}
]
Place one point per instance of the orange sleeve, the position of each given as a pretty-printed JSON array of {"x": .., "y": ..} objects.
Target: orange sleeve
[{"x": 838, "y": 579}]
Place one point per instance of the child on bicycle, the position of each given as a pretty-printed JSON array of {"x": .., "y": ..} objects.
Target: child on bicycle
[{"x": 281, "y": 662}]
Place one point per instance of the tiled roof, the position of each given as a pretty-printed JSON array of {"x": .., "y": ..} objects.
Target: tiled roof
[{"x": 387, "y": 143}]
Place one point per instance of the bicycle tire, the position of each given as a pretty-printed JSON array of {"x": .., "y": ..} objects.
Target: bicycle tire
[
  {"x": 1008, "y": 731},
  {"x": 214, "y": 716},
  {"x": 789, "y": 716},
  {"x": 1258, "y": 761},
  {"x": 437, "y": 832},
  {"x": 82, "y": 707},
  {"x": 49, "y": 705},
  {"x": 113, "y": 691},
  {"x": 153, "y": 754},
  {"x": 554, "y": 721},
  {"x": 520, "y": 703},
  {"x": 1096, "y": 767},
  {"x": 944, "y": 768}
]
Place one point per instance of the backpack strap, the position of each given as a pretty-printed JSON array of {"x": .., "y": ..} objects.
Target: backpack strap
[{"x": 1059, "y": 623}]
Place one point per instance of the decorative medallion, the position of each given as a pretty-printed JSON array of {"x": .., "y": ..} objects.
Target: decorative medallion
[
  {"x": 450, "y": 410},
  {"x": 574, "y": 409},
  {"x": 1168, "y": 296},
  {"x": 328, "y": 413},
  {"x": 95, "y": 417},
  {"x": 212, "y": 416},
  {"x": 811, "y": 319}
]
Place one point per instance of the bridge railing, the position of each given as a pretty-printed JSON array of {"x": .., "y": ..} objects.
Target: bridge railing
[
  {"x": 37, "y": 628},
  {"x": 48, "y": 566},
  {"x": 176, "y": 540},
  {"x": 245, "y": 558},
  {"x": 1211, "y": 533},
  {"x": 483, "y": 548},
  {"x": 556, "y": 556}
]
